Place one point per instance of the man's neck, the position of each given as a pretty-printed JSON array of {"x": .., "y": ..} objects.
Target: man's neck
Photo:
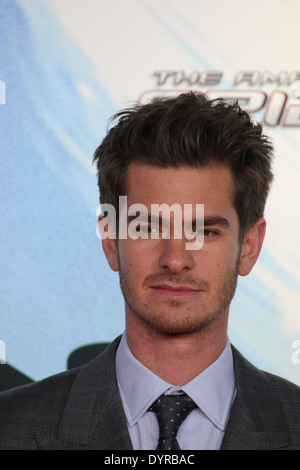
[{"x": 177, "y": 359}]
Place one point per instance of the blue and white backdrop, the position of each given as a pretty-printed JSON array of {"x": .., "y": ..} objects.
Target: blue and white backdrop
[{"x": 68, "y": 65}]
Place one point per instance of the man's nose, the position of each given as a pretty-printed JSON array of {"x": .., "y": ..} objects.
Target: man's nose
[{"x": 175, "y": 256}]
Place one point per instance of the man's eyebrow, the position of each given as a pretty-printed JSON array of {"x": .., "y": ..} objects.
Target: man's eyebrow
[
  {"x": 216, "y": 220},
  {"x": 146, "y": 218},
  {"x": 208, "y": 220},
  {"x": 141, "y": 216}
]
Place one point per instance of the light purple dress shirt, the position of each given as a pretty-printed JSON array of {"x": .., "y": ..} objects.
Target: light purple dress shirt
[{"x": 213, "y": 390}]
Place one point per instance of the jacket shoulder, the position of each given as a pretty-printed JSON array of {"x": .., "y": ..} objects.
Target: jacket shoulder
[
  {"x": 257, "y": 378},
  {"x": 272, "y": 404},
  {"x": 34, "y": 406},
  {"x": 38, "y": 407},
  {"x": 289, "y": 396}
]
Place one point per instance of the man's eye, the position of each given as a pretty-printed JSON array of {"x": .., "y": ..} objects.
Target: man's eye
[
  {"x": 210, "y": 233},
  {"x": 147, "y": 228}
]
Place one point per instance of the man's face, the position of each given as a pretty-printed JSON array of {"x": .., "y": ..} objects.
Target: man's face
[{"x": 166, "y": 286}]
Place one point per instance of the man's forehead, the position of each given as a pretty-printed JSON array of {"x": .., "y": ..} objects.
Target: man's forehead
[{"x": 181, "y": 183}]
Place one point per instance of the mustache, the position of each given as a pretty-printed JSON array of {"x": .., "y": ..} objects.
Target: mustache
[{"x": 177, "y": 280}]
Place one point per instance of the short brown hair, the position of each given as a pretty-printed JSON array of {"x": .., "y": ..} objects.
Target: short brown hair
[{"x": 189, "y": 130}]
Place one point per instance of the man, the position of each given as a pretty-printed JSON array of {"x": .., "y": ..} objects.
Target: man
[{"x": 175, "y": 352}]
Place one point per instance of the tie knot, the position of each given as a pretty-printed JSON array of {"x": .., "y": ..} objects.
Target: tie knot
[{"x": 171, "y": 411}]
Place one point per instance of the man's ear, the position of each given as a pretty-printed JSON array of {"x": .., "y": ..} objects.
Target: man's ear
[
  {"x": 109, "y": 244},
  {"x": 251, "y": 246}
]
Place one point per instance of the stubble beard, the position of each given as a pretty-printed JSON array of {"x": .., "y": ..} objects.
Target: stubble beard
[{"x": 177, "y": 317}]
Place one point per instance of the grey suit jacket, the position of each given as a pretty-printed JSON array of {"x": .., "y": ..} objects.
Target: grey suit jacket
[{"x": 82, "y": 409}]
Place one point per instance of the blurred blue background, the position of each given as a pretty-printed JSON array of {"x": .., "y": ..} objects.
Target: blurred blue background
[{"x": 67, "y": 67}]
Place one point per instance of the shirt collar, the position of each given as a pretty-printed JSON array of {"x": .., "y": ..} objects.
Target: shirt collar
[{"x": 212, "y": 390}]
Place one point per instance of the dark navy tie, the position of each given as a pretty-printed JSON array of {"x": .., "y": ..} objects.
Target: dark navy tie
[{"x": 171, "y": 411}]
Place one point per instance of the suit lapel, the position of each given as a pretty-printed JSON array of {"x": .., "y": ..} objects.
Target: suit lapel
[
  {"x": 93, "y": 420},
  {"x": 257, "y": 419},
  {"x": 240, "y": 431}
]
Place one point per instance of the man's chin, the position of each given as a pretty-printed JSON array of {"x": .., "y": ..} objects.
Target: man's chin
[{"x": 177, "y": 324}]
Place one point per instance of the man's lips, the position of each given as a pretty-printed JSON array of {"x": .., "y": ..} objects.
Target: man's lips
[{"x": 168, "y": 290}]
